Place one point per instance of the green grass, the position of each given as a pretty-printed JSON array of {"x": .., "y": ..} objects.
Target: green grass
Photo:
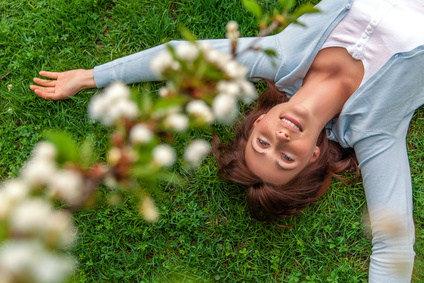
[{"x": 205, "y": 233}]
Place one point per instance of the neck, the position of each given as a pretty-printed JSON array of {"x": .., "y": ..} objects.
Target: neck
[{"x": 332, "y": 78}]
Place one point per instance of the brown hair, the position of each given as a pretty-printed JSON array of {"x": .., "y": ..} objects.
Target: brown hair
[{"x": 266, "y": 201}]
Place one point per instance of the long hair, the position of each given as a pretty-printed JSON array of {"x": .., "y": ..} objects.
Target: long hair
[{"x": 266, "y": 201}]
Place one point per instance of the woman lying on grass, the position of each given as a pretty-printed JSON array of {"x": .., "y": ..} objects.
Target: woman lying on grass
[{"x": 354, "y": 76}]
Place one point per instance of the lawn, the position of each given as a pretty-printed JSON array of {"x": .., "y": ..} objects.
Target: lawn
[{"x": 205, "y": 233}]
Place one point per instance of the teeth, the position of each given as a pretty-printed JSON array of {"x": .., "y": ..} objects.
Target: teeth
[{"x": 291, "y": 124}]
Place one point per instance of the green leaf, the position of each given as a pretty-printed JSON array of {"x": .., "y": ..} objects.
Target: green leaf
[
  {"x": 305, "y": 9},
  {"x": 187, "y": 34},
  {"x": 272, "y": 55},
  {"x": 253, "y": 8},
  {"x": 270, "y": 52},
  {"x": 87, "y": 156},
  {"x": 167, "y": 103},
  {"x": 287, "y": 4},
  {"x": 65, "y": 146},
  {"x": 146, "y": 104}
]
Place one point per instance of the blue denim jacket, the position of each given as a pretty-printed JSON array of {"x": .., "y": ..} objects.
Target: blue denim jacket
[{"x": 374, "y": 121}]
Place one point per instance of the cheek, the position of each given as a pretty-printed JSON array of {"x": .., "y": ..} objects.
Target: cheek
[
  {"x": 263, "y": 126},
  {"x": 305, "y": 149}
]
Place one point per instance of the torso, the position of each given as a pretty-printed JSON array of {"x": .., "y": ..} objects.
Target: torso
[
  {"x": 370, "y": 34},
  {"x": 336, "y": 64}
]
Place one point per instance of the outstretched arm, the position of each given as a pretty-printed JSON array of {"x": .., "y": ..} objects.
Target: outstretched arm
[
  {"x": 387, "y": 182},
  {"x": 135, "y": 68},
  {"x": 63, "y": 84}
]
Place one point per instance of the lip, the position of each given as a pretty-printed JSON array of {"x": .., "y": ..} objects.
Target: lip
[{"x": 294, "y": 121}]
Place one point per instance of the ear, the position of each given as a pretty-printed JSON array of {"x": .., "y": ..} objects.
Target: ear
[
  {"x": 315, "y": 155},
  {"x": 258, "y": 120}
]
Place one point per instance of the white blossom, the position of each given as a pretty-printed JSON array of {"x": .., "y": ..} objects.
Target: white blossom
[
  {"x": 52, "y": 268},
  {"x": 121, "y": 108},
  {"x": 98, "y": 107},
  {"x": 11, "y": 193},
  {"x": 177, "y": 122},
  {"x": 164, "y": 155},
  {"x": 162, "y": 62},
  {"x": 248, "y": 91},
  {"x": 114, "y": 155},
  {"x": 30, "y": 215},
  {"x": 225, "y": 108},
  {"x": 117, "y": 91},
  {"x": 199, "y": 109},
  {"x": 140, "y": 134},
  {"x": 228, "y": 87},
  {"x": 30, "y": 259},
  {"x": 196, "y": 151},
  {"x": 60, "y": 230},
  {"x": 217, "y": 58},
  {"x": 164, "y": 92},
  {"x": 235, "y": 71},
  {"x": 9, "y": 87},
  {"x": 232, "y": 31},
  {"x": 187, "y": 52},
  {"x": 66, "y": 185},
  {"x": 205, "y": 46},
  {"x": 38, "y": 171},
  {"x": 112, "y": 104},
  {"x": 149, "y": 210},
  {"x": 44, "y": 150},
  {"x": 19, "y": 256}
]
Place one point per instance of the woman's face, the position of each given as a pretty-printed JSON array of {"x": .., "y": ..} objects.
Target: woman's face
[{"x": 282, "y": 142}]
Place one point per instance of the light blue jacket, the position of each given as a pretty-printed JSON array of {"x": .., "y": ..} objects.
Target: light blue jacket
[{"x": 374, "y": 121}]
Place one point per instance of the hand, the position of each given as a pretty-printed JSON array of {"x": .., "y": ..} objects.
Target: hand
[{"x": 63, "y": 84}]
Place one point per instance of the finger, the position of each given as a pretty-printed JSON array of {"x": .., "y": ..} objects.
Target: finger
[
  {"x": 43, "y": 82},
  {"x": 52, "y": 75},
  {"x": 42, "y": 88},
  {"x": 45, "y": 94}
]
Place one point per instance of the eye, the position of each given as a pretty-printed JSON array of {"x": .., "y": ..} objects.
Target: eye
[
  {"x": 262, "y": 143},
  {"x": 287, "y": 158}
]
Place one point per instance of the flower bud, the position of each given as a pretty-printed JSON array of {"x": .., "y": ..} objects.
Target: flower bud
[
  {"x": 114, "y": 156},
  {"x": 66, "y": 185},
  {"x": 161, "y": 62},
  {"x": 196, "y": 151},
  {"x": 177, "y": 122},
  {"x": 44, "y": 150},
  {"x": 164, "y": 155},
  {"x": 225, "y": 108},
  {"x": 140, "y": 134},
  {"x": 232, "y": 31},
  {"x": 149, "y": 210},
  {"x": 187, "y": 52},
  {"x": 199, "y": 109}
]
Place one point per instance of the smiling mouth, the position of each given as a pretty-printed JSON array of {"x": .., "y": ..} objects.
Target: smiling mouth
[{"x": 292, "y": 123}]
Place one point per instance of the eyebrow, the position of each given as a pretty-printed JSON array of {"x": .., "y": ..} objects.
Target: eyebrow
[{"x": 263, "y": 153}]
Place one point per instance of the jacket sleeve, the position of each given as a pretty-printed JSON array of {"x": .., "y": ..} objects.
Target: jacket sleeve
[
  {"x": 135, "y": 68},
  {"x": 387, "y": 181}
]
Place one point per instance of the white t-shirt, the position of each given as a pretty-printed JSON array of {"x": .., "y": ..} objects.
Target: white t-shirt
[{"x": 375, "y": 30}]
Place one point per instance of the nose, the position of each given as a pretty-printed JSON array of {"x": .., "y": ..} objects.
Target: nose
[{"x": 282, "y": 135}]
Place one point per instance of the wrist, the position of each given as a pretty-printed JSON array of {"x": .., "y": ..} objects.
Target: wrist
[{"x": 87, "y": 78}]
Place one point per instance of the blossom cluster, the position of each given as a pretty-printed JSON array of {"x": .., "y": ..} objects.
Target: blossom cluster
[
  {"x": 199, "y": 71},
  {"x": 112, "y": 104},
  {"x": 38, "y": 232}
]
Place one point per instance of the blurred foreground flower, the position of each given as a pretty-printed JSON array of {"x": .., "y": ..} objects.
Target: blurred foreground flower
[
  {"x": 149, "y": 210},
  {"x": 196, "y": 151},
  {"x": 164, "y": 155},
  {"x": 112, "y": 104},
  {"x": 198, "y": 71},
  {"x": 30, "y": 261},
  {"x": 140, "y": 134}
]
